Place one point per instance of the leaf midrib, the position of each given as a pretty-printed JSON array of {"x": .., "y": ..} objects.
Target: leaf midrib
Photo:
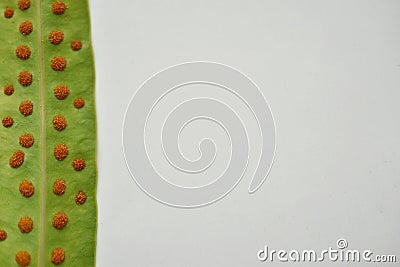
[{"x": 43, "y": 139}]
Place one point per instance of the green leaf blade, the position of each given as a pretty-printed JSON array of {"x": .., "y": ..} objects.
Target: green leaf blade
[{"x": 78, "y": 238}]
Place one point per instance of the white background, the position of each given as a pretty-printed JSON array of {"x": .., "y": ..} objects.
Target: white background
[{"x": 330, "y": 71}]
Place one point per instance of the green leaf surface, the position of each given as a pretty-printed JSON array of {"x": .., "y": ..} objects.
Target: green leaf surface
[{"x": 78, "y": 237}]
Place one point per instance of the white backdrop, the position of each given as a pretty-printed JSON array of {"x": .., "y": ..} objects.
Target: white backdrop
[{"x": 330, "y": 71}]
